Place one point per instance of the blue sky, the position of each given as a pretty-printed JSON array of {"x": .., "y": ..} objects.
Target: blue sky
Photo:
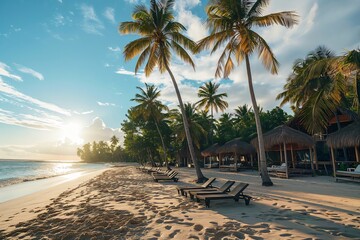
[{"x": 63, "y": 80}]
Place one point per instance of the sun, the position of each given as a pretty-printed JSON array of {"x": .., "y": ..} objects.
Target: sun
[{"x": 72, "y": 132}]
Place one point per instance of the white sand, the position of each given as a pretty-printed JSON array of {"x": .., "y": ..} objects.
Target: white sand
[{"x": 124, "y": 203}]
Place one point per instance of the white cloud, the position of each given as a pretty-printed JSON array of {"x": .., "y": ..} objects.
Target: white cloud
[
  {"x": 4, "y": 71},
  {"x": 109, "y": 13},
  {"x": 123, "y": 71},
  {"x": 91, "y": 23},
  {"x": 13, "y": 93},
  {"x": 106, "y": 104},
  {"x": 98, "y": 131},
  {"x": 84, "y": 113},
  {"x": 30, "y": 71},
  {"x": 59, "y": 20},
  {"x": 114, "y": 49}
]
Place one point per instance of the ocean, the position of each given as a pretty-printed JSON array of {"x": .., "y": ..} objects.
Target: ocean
[{"x": 17, "y": 171}]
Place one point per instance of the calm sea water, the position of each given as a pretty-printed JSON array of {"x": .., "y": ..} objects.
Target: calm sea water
[{"x": 16, "y": 171}]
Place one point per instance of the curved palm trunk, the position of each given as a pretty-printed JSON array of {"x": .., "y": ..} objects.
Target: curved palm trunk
[
  {"x": 163, "y": 145},
  {"x": 200, "y": 176},
  {"x": 266, "y": 181}
]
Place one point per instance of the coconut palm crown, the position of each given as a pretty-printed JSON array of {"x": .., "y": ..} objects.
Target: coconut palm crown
[
  {"x": 160, "y": 35},
  {"x": 231, "y": 24},
  {"x": 209, "y": 99}
]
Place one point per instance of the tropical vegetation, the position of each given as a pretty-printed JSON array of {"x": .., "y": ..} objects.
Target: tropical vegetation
[
  {"x": 103, "y": 151},
  {"x": 320, "y": 84}
]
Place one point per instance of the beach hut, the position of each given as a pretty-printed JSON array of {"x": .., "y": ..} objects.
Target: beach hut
[
  {"x": 347, "y": 137},
  {"x": 284, "y": 138},
  {"x": 237, "y": 148},
  {"x": 211, "y": 154}
]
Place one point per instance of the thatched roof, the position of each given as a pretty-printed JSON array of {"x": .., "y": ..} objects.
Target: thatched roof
[
  {"x": 348, "y": 136},
  {"x": 236, "y": 146},
  {"x": 210, "y": 151},
  {"x": 284, "y": 134}
]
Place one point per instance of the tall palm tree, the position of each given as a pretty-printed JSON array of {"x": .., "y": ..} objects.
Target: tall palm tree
[
  {"x": 209, "y": 99},
  {"x": 151, "y": 108},
  {"x": 231, "y": 23},
  {"x": 160, "y": 38}
]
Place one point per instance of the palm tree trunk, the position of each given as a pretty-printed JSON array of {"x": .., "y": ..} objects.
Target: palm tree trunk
[
  {"x": 266, "y": 181},
  {"x": 163, "y": 145},
  {"x": 200, "y": 176}
]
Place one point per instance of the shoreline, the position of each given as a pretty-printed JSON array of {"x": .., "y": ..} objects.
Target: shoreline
[
  {"x": 26, "y": 207},
  {"x": 125, "y": 202}
]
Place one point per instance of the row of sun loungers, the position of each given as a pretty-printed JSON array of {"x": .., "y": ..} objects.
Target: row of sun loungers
[
  {"x": 160, "y": 175},
  {"x": 208, "y": 193}
]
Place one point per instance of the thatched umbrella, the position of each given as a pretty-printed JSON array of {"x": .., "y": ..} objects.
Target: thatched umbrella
[
  {"x": 348, "y": 136},
  {"x": 286, "y": 138},
  {"x": 237, "y": 147},
  {"x": 210, "y": 152}
]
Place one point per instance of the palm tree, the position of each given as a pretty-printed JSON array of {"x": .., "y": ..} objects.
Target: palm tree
[
  {"x": 231, "y": 23},
  {"x": 160, "y": 38},
  {"x": 314, "y": 92},
  {"x": 195, "y": 125},
  {"x": 210, "y": 100},
  {"x": 151, "y": 108}
]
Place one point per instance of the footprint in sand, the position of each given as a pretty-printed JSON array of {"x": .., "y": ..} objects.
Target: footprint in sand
[
  {"x": 168, "y": 227},
  {"x": 173, "y": 234},
  {"x": 198, "y": 227},
  {"x": 285, "y": 235}
]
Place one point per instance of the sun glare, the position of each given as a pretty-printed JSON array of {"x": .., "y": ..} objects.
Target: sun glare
[{"x": 72, "y": 133}]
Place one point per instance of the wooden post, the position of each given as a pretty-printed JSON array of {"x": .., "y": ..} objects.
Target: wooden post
[
  {"x": 236, "y": 158},
  {"x": 259, "y": 167},
  {"x": 333, "y": 161},
  {"x": 251, "y": 160},
  {"x": 292, "y": 157},
  {"x": 316, "y": 159},
  {"x": 357, "y": 154},
  {"x": 280, "y": 151},
  {"x": 286, "y": 161},
  {"x": 311, "y": 162}
]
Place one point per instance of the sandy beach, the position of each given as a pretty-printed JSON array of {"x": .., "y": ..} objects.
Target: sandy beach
[{"x": 124, "y": 203}]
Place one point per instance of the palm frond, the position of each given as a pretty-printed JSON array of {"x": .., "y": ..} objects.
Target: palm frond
[
  {"x": 258, "y": 7},
  {"x": 182, "y": 53},
  {"x": 135, "y": 47},
  {"x": 142, "y": 58},
  {"x": 265, "y": 54},
  {"x": 286, "y": 19}
]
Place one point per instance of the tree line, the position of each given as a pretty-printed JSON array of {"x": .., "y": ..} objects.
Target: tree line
[{"x": 103, "y": 151}]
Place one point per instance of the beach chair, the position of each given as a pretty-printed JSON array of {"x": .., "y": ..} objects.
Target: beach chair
[
  {"x": 236, "y": 194},
  {"x": 207, "y": 184},
  {"x": 171, "y": 177},
  {"x": 224, "y": 188},
  {"x": 167, "y": 173},
  {"x": 353, "y": 176}
]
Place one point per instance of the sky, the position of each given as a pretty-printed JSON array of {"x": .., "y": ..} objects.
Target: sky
[{"x": 64, "y": 81}]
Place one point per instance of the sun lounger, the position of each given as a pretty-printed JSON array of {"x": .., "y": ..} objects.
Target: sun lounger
[
  {"x": 275, "y": 168},
  {"x": 171, "y": 177},
  {"x": 236, "y": 194},
  {"x": 224, "y": 188},
  {"x": 207, "y": 184},
  {"x": 159, "y": 174},
  {"x": 349, "y": 175}
]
